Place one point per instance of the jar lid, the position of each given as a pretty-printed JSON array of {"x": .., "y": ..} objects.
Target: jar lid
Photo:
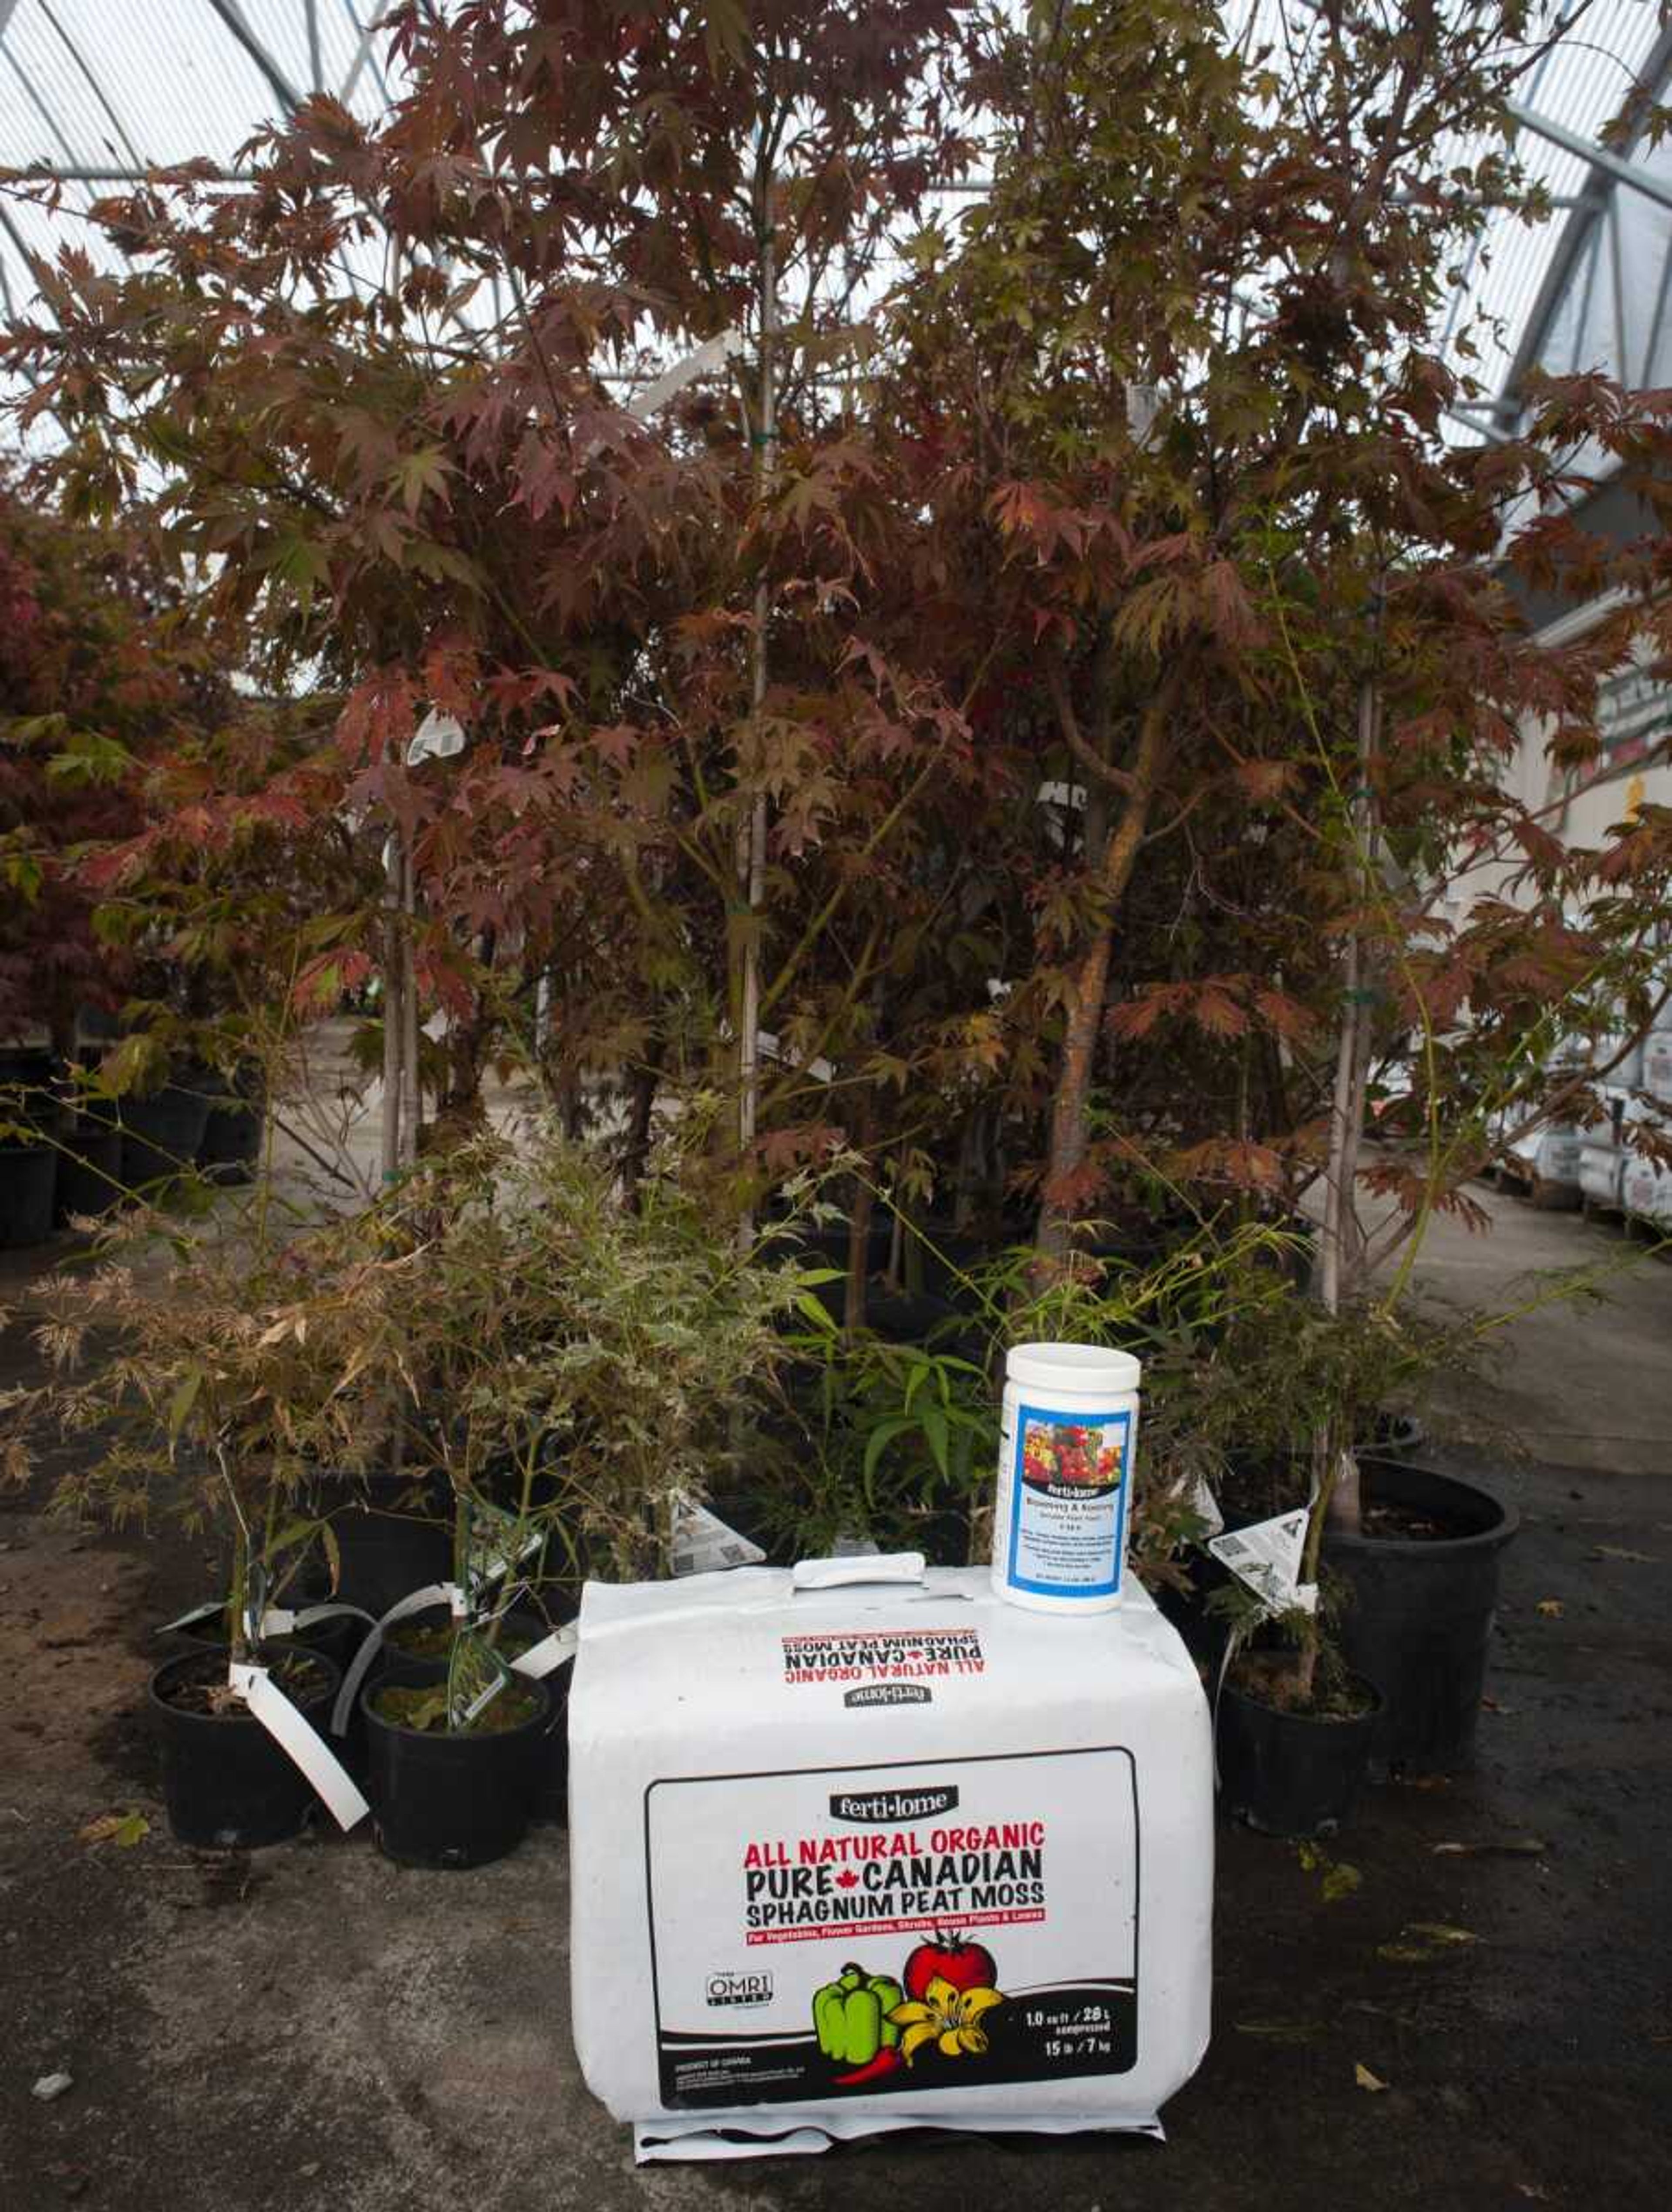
[{"x": 1077, "y": 1367}]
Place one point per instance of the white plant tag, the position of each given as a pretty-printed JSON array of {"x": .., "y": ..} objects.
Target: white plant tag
[
  {"x": 195, "y": 1614},
  {"x": 1202, "y": 1502},
  {"x": 704, "y": 1544},
  {"x": 438, "y": 737},
  {"x": 551, "y": 1653},
  {"x": 499, "y": 1541},
  {"x": 714, "y": 354},
  {"x": 418, "y": 1600},
  {"x": 291, "y": 1730},
  {"x": 1267, "y": 1558},
  {"x": 1143, "y": 408}
]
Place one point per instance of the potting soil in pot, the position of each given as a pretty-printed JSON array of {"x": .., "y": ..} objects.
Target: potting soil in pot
[{"x": 864, "y": 1847}]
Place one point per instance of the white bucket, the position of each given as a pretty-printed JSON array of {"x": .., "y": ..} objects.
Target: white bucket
[
  {"x": 1601, "y": 1167},
  {"x": 1645, "y": 1190},
  {"x": 1658, "y": 1066},
  {"x": 1064, "y": 1476}
]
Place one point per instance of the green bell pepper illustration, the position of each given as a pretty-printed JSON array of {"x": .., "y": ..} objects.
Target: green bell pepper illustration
[{"x": 850, "y": 2016}]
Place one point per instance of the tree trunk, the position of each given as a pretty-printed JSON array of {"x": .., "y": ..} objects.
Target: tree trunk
[
  {"x": 394, "y": 1026},
  {"x": 1342, "y": 1244},
  {"x": 1079, "y": 1044},
  {"x": 641, "y": 1114},
  {"x": 859, "y": 1254}
]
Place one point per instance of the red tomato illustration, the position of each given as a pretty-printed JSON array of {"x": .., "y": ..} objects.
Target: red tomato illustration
[{"x": 949, "y": 1959}]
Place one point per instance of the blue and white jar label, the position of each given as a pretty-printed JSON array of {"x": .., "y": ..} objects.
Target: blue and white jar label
[{"x": 1070, "y": 1473}]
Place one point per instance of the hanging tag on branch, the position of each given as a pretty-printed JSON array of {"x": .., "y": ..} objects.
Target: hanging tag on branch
[
  {"x": 1268, "y": 1559},
  {"x": 701, "y": 1543},
  {"x": 1143, "y": 410},
  {"x": 438, "y": 737},
  {"x": 707, "y": 357},
  {"x": 1200, "y": 1497},
  {"x": 498, "y": 1541}
]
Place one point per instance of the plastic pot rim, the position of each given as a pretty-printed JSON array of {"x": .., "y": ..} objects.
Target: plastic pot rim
[
  {"x": 1480, "y": 1539},
  {"x": 1372, "y": 1712},
  {"x": 375, "y": 1719},
  {"x": 194, "y": 1657}
]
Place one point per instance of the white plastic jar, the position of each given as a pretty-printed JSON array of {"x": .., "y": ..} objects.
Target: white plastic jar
[{"x": 1066, "y": 1459}]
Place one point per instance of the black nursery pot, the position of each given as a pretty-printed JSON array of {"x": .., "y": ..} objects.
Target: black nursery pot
[
  {"x": 28, "y": 1177},
  {"x": 231, "y": 1137},
  {"x": 162, "y": 1134},
  {"x": 1291, "y": 1774},
  {"x": 550, "y": 1806},
  {"x": 385, "y": 1556},
  {"x": 89, "y": 1169},
  {"x": 405, "y": 1669},
  {"x": 453, "y": 1800},
  {"x": 227, "y": 1785},
  {"x": 1419, "y": 1619}
]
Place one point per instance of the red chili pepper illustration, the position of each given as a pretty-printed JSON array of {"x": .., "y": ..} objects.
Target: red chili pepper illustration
[{"x": 884, "y": 2062}]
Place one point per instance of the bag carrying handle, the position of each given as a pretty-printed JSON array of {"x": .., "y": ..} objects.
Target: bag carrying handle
[{"x": 877, "y": 1567}]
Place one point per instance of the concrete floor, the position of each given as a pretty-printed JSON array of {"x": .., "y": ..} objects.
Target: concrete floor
[
  {"x": 310, "y": 2026},
  {"x": 1585, "y": 1383}
]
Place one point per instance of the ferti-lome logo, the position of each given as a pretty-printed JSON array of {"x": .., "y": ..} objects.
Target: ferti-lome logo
[{"x": 873, "y": 1806}]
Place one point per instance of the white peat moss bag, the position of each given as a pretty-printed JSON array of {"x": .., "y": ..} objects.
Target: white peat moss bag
[{"x": 864, "y": 1847}]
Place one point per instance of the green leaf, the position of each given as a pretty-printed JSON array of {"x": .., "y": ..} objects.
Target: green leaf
[
  {"x": 415, "y": 474},
  {"x": 878, "y": 1440},
  {"x": 933, "y": 1422},
  {"x": 301, "y": 562},
  {"x": 184, "y": 1398},
  {"x": 724, "y": 32},
  {"x": 333, "y": 1556}
]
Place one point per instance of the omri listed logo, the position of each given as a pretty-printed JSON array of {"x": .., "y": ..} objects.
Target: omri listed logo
[{"x": 741, "y": 1989}]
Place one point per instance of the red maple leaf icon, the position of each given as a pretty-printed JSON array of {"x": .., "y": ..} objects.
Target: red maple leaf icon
[{"x": 846, "y": 1880}]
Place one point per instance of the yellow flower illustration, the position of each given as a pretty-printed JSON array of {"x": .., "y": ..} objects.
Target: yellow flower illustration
[{"x": 944, "y": 2016}]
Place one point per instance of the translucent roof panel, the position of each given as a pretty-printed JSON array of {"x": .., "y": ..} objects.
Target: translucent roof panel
[{"x": 97, "y": 89}]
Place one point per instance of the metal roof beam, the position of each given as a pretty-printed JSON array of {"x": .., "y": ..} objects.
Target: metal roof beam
[
  {"x": 232, "y": 15},
  {"x": 75, "y": 173},
  {"x": 362, "y": 52},
  {"x": 1611, "y": 164}
]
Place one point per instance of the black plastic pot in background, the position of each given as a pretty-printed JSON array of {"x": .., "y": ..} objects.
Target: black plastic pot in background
[
  {"x": 89, "y": 1168},
  {"x": 1290, "y": 1774},
  {"x": 28, "y": 1178},
  {"x": 227, "y": 1785},
  {"x": 453, "y": 1800},
  {"x": 160, "y": 1134},
  {"x": 405, "y": 1669},
  {"x": 29, "y": 1164},
  {"x": 386, "y": 1555},
  {"x": 232, "y": 1136},
  {"x": 550, "y": 1806},
  {"x": 1419, "y": 1618},
  {"x": 1205, "y": 1634}
]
